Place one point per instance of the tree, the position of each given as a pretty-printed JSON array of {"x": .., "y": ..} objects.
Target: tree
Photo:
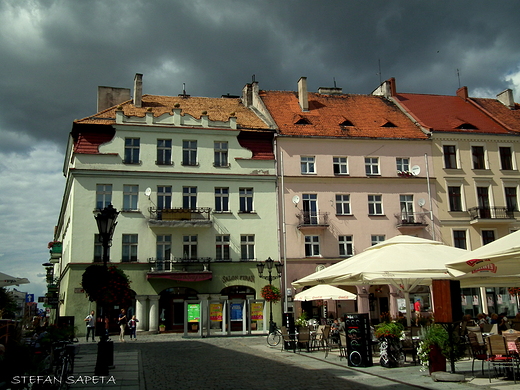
[{"x": 7, "y": 303}]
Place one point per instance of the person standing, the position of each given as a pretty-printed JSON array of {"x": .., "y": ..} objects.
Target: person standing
[
  {"x": 91, "y": 324},
  {"x": 122, "y": 320},
  {"x": 132, "y": 326}
]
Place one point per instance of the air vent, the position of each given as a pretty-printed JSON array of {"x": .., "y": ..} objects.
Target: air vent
[
  {"x": 466, "y": 126},
  {"x": 302, "y": 121},
  {"x": 346, "y": 123},
  {"x": 389, "y": 124}
]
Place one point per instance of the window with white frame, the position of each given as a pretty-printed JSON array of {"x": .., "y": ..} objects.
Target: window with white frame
[
  {"x": 312, "y": 246},
  {"x": 339, "y": 165},
  {"x": 247, "y": 246},
  {"x": 189, "y": 152},
  {"x": 130, "y": 196},
  {"x": 189, "y": 198},
  {"x": 221, "y": 199},
  {"x": 511, "y": 198},
  {"x": 220, "y": 154},
  {"x": 375, "y": 204},
  {"x": 103, "y": 195},
  {"x": 372, "y": 166},
  {"x": 450, "y": 156},
  {"x": 455, "y": 198},
  {"x": 164, "y": 197},
  {"x": 245, "y": 199},
  {"x": 189, "y": 247},
  {"x": 222, "y": 247},
  {"x": 403, "y": 164},
  {"x": 164, "y": 152},
  {"x": 307, "y": 165},
  {"x": 459, "y": 239},
  {"x": 342, "y": 204},
  {"x": 346, "y": 246},
  {"x": 376, "y": 239},
  {"x": 506, "y": 158},
  {"x": 129, "y": 247},
  {"x": 478, "y": 155},
  {"x": 164, "y": 247},
  {"x": 132, "y": 146},
  {"x": 488, "y": 236}
]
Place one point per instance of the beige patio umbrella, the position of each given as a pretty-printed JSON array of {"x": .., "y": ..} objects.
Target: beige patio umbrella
[
  {"x": 8, "y": 280},
  {"x": 402, "y": 261},
  {"x": 325, "y": 292}
]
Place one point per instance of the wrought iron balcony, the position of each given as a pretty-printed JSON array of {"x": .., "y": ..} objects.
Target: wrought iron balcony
[
  {"x": 407, "y": 219},
  {"x": 180, "y": 217},
  {"x": 494, "y": 213},
  {"x": 313, "y": 219}
]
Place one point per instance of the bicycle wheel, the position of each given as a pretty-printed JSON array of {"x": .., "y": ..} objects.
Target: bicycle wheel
[
  {"x": 62, "y": 373},
  {"x": 274, "y": 338}
]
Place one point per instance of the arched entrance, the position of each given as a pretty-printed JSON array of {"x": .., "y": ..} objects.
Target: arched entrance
[
  {"x": 107, "y": 315},
  {"x": 171, "y": 307}
]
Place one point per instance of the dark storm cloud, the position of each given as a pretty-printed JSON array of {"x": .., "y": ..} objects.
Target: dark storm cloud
[{"x": 55, "y": 54}]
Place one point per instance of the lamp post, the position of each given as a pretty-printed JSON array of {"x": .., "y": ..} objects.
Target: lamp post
[
  {"x": 269, "y": 263},
  {"x": 106, "y": 222}
]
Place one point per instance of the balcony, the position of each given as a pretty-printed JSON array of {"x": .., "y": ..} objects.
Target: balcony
[
  {"x": 180, "y": 217},
  {"x": 491, "y": 214},
  {"x": 411, "y": 220},
  {"x": 313, "y": 220}
]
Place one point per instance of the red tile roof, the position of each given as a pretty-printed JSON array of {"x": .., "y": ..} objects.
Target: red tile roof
[
  {"x": 328, "y": 116},
  {"x": 448, "y": 114},
  {"x": 508, "y": 117}
]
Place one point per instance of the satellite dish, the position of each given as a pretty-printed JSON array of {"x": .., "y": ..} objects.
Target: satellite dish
[
  {"x": 416, "y": 169},
  {"x": 296, "y": 199},
  {"x": 421, "y": 202},
  {"x": 148, "y": 191}
]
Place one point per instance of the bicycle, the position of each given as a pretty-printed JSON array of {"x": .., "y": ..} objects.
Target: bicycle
[
  {"x": 64, "y": 363},
  {"x": 274, "y": 337}
]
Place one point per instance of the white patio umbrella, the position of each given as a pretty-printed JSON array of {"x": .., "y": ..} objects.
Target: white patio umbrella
[
  {"x": 325, "y": 291},
  {"x": 8, "y": 280},
  {"x": 403, "y": 261}
]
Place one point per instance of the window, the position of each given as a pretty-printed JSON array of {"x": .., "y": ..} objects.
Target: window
[
  {"x": 103, "y": 195},
  {"x": 221, "y": 199},
  {"x": 221, "y": 154},
  {"x": 511, "y": 199},
  {"x": 376, "y": 239},
  {"x": 375, "y": 204},
  {"x": 406, "y": 204},
  {"x": 339, "y": 165},
  {"x": 455, "y": 198},
  {"x": 164, "y": 152},
  {"x": 247, "y": 247},
  {"x": 372, "y": 166},
  {"x": 343, "y": 204},
  {"x": 164, "y": 197},
  {"x": 129, "y": 247},
  {"x": 98, "y": 249},
  {"x": 450, "y": 156},
  {"x": 222, "y": 247},
  {"x": 307, "y": 165},
  {"x": 189, "y": 152},
  {"x": 310, "y": 209},
  {"x": 189, "y": 247},
  {"x": 488, "y": 236},
  {"x": 459, "y": 239},
  {"x": 164, "y": 247},
  {"x": 132, "y": 150},
  {"x": 189, "y": 198},
  {"x": 346, "y": 248},
  {"x": 403, "y": 164},
  {"x": 477, "y": 153},
  {"x": 312, "y": 246},
  {"x": 246, "y": 200},
  {"x": 130, "y": 194},
  {"x": 506, "y": 158}
]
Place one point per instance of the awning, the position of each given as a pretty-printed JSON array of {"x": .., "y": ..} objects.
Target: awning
[{"x": 181, "y": 276}]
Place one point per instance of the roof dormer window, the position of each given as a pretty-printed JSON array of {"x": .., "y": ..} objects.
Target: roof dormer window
[
  {"x": 466, "y": 126},
  {"x": 302, "y": 121},
  {"x": 389, "y": 124},
  {"x": 346, "y": 123}
]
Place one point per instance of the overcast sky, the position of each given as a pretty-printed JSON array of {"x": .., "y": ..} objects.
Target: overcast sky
[{"x": 54, "y": 55}]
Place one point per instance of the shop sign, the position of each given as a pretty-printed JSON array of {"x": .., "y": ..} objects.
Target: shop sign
[
  {"x": 257, "y": 311},
  {"x": 232, "y": 278},
  {"x": 215, "y": 311},
  {"x": 193, "y": 312}
]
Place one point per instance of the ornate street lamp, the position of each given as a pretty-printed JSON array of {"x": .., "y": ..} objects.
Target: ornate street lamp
[
  {"x": 269, "y": 263},
  {"x": 106, "y": 222}
]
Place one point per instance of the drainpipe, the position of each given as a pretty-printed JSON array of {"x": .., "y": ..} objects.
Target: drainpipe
[{"x": 429, "y": 194}]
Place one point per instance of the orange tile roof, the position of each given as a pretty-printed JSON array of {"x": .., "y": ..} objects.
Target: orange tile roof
[
  {"x": 448, "y": 114},
  {"x": 510, "y": 118},
  {"x": 370, "y": 116},
  {"x": 218, "y": 109}
]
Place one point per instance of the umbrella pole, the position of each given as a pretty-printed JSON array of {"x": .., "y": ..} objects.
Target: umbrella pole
[{"x": 408, "y": 310}]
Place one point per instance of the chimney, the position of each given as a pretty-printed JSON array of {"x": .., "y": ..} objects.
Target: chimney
[
  {"x": 110, "y": 96},
  {"x": 387, "y": 89},
  {"x": 138, "y": 90},
  {"x": 330, "y": 90},
  {"x": 303, "y": 97},
  {"x": 462, "y": 92},
  {"x": 506, "y": 98}
]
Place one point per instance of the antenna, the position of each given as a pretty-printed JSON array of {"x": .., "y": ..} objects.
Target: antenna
[
  {"x": 184, "y": 94},
  {"x": 379, "y": 61},
  {"x": 334, "y": 79},
  {"x": 253, "y": 78},
  {"x": 458, "y": 76}
]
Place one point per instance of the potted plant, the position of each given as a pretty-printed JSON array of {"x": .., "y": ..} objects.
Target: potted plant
[
  {"x": 436, "y": 346},
  {"x": 162, "y": 327},
  {"x": 271, "y": 293},
  {"x": 389, "y": 335},
  {"x": 301, "y": 322}
]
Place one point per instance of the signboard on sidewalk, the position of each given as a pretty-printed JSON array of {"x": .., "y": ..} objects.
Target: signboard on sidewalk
[
  {"x": 215, "y": 311},
  {"x": 193, "y": 312},
  {"x": 257, "y": 311}
]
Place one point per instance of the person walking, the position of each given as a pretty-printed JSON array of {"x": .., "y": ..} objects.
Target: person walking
[
  {"x": 122, "y": 321},
  {"x": 132, "y": 326},
  {"x": 91, "y": 325}
]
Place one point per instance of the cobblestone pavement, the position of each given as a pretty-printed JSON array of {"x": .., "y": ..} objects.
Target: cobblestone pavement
[{"x": 168, "y": 361}]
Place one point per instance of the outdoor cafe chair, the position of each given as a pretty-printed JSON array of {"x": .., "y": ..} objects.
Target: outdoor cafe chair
[
  {"x": 342, "y": 344},
  {"x": 304, "y": 338},
  {"x": 478, "y": 351},
  {"x": 499, "y": 357},
  {"x": 289, "y": 340}
]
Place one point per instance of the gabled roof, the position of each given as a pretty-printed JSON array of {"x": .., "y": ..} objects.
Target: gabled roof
[
  {"x": 452, "y": 114},
  {"x": 508, "y": 117},
  {"x": 218, "y": 109},
  {"x": 331, "y": 115}
]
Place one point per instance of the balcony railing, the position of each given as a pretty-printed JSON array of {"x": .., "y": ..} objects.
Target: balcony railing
[
  {"x": 180, "y": 217},
  {"x": 411, "y": 219},
  {"x": 313, "y": 219},
  {"x": 490, "y": 213},
  {"x": 178, "y": 263}
]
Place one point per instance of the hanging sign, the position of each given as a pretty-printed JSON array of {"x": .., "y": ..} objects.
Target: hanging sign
[
  {"x": 257, "y": 311},
  {"x": 215, "y": 311},
  {"x": 193, "y": 312}
]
